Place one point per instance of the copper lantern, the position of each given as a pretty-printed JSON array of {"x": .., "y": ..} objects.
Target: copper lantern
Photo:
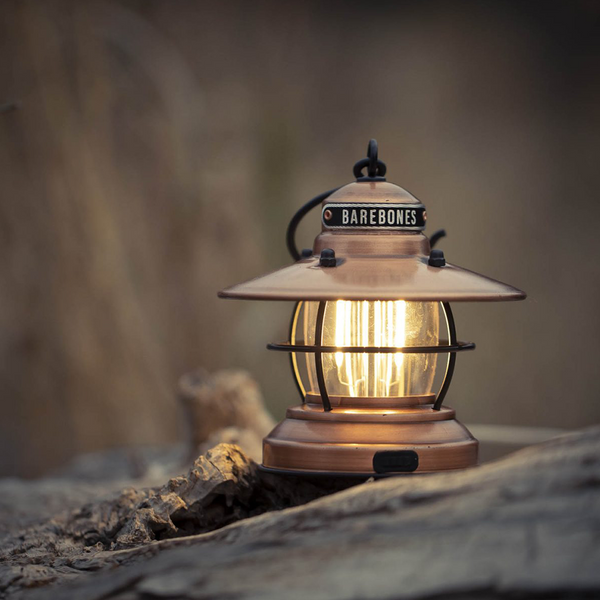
[{"x": 372, "y": 338}]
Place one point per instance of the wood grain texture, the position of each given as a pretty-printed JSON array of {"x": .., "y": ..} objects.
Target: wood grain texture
[
  {"x": 41, "y": 544},
  {"x": 527, "y": 527}
]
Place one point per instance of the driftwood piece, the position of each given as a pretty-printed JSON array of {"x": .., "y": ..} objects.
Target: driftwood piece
[
  {"x": 527, "y": 526},
  {"x": 49, "y": 525},
  {"x": 222, "y": 487},
  {"x": 224, "y": 407}
]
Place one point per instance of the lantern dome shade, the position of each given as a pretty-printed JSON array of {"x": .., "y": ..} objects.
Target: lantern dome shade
[
  {"x": 372, "y": 191},
  {"x": 374, "y": 278}
]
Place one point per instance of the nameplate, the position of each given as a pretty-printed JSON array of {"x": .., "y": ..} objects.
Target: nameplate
[{"x": 374, "y": 216}]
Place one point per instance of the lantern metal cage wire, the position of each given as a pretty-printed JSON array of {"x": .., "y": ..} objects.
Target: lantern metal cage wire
[{"x": 319, "y": 349}]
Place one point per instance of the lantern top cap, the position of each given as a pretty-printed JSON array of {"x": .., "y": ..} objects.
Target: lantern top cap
[
  {"x": 371, "y": 247},
  {"x": 372, "y": 191}
]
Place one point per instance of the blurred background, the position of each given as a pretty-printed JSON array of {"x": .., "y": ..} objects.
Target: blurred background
[{"x": 153, "y": 152}]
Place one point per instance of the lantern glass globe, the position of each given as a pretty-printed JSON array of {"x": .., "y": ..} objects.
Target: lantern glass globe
[{"x": 375, "y": 324}]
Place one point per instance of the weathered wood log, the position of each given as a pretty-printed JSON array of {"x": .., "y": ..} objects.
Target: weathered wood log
[
  {"x": 527, "y": 526},
  {"x": 222, "y": 487},
  {"x": 224, "y": 407}
]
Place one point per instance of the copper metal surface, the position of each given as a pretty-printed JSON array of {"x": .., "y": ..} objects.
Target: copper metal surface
[
  {"x": 372, "y": 191},
  {"x": 410, "y": 414},
  {"x": 374, "y": 278},
  {"x": 345, "y": 440},
  {"x": 376, "y": 244},
  {"x": 360, "y": 402},
  {"x": 373, "y": 265}
]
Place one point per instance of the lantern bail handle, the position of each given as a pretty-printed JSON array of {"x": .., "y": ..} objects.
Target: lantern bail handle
[{"x": 290, "y": 235}]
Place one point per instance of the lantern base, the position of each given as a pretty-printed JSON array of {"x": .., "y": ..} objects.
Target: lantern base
[{"x": 368, "y": 442}]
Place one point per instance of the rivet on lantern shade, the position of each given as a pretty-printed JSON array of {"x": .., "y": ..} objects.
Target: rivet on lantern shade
[{"x": 370, "y": 329}]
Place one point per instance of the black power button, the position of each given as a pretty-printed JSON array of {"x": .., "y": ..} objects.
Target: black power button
[{"x": 395, "y": 461}]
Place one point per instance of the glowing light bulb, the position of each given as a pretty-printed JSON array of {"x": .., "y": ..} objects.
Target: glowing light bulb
[
  {"x": 400, "y": 330},
  {"x": 378, "y": 324},
  {"x": 340, "y": 329},
  {"x": 391, "y": 324}
]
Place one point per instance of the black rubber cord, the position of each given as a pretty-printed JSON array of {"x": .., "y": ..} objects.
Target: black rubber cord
[{"x": 290, "y": 236}]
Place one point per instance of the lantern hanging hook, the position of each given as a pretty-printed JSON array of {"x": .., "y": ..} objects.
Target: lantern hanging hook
[
  {"x": 372, "y": 156},
  {"x": 376, "y": 168}
]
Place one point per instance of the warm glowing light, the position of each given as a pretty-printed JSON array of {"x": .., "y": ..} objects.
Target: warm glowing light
[
  {"x": 340, "y": 330},
  {"x": 378, "y": 324},
  {"x": 400, "y": 330},
  {"x": 390, "y": 324}
]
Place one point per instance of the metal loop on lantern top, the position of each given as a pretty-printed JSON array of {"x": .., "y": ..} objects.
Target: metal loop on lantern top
[
  {"x": 376, "y": 169},
  {"x": 318, "y": 349}
]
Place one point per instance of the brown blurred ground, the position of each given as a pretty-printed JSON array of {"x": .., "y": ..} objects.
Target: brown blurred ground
[{"x": 159, "y": 149}]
